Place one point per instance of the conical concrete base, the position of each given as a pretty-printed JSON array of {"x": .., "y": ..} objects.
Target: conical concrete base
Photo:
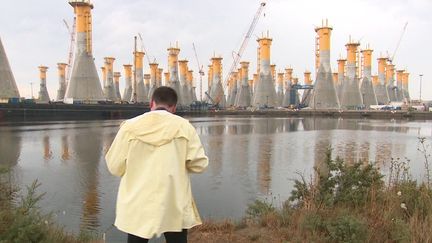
[
  {"x": 265, "y": 93},
  {"x": 61, "y": 92},
  {"x": 280, "y": 96},
  {"x": 8, "y": 87},
  {"x": 324, "y": 93},
  {"x": 110, "y": 92},
  {"x": 406, "y": 95},
  {"x": 142, "y": 94},
  {"x": 185, "y": 94},
  {"x": 243, "y": 97},
  {"x": 84, "y": 83},
  {"x": 368, "y": 92},
  {"x": 127, "y": 93},
  {"x": 217, "y": 93},
  {"x": 176, "y": 86},
  {"x": 391, "y": 92},
  {"x": 232, "y": 97},
  {"x": 381, "y": 94},
  {"x": 193, "y": 94},
  {"x": 307, "y": 96},
  {"x": 150, "y": 92},
  {"x": 350, "y": 98},
  {"x": 43, "y": 95}
]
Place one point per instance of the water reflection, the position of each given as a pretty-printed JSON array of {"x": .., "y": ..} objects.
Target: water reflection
[
  {"x": 10, "y": 148},
  {"x": 47, "y": 155},
  {"x": 65, "y": 155},
  {"x": 88, "y": 149},
  {"x": 250, "y": 157}
]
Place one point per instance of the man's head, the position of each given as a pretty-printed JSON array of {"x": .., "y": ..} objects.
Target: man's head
[{"x": 164, "y": 97}]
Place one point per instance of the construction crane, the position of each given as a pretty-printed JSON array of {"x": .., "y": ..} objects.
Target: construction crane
[
  {"x": 71, "y": 48},
  {"x": 200, "y": 68},
  {"x": 391, "y": 59},
  {"x": 243, "y": 46},
  {"x": 143, "y": 49}
]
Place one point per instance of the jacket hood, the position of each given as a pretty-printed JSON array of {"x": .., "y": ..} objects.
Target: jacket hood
[{"x": 158, "y": 128}]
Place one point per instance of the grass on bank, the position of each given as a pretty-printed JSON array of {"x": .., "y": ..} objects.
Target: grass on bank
[
  {"x": 344, "y": 203},
  {"x": 22, "y": 220}
]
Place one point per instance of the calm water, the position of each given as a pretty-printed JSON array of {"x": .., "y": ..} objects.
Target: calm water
[{"x": 249, "y": 158}]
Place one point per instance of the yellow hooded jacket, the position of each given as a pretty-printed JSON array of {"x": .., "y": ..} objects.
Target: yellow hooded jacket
[{"x": 154, "y": 154}]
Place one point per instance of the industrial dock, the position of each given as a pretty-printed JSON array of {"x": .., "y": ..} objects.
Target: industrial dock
[{"x": 247, "y": 88}]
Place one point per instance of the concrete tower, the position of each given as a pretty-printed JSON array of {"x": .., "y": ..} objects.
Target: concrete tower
[
  {"x": 62, "y": 81},
  {"x": 244, "y": 95},
  {"x": 405, "y": 81},
  {"x": 159, "y": 77},
  {"x": 147, "y": 78},
  {"x": 253, "y": 86},
  {"x": 139, "y": 92},
  {"x": 390, "y": 70},
  {"x": 84, "y": 83},
  {"x": 191, "y": 86},
  {"x": 184, "y": 91},
  {"x": 399, "y": 78},
  {"x": 127, "y": 93},
  {"x": 366, "y": 88},
  {"x": 273, "y": 73},
  {"x": 209, "y": 78},
  {"x": 287, "y": 100},
  {"x": 232, "y": 88},
  {"x": 324, "y": 94},
  {"x": 167, "y": 78},
  {"x": 307, "y": 92},
  {"x": 217, "y": 92},
  {"x": 279, "y": 88},
  {"x": 174, "y": 83},
  {"x": 43, "y": 92},
  {"x": 153, "y": 79},
  {"x": 109, "y": 88},
  {"x": 375, "y": 81},
  {"x": 350, "y": 96},
  {"x": 8, "y": 87},
  {"x": 265, "y": 93},
  {"x": 341, "y": 76},
  {"x": 381, "y": 89},
  {"x": 117, "y": 76}
]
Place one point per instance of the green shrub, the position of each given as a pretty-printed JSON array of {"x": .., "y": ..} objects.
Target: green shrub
[
  {"x": 347, "y": 229},
  {"x": 338, "y": 183},
  {"x": 259, "y": 208}
]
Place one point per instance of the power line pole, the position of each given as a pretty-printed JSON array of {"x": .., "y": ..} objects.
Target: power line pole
[{"x": 421, "y": 75}]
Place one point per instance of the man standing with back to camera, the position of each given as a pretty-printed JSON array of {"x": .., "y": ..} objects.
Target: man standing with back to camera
[{"x": 153, "y": 154}]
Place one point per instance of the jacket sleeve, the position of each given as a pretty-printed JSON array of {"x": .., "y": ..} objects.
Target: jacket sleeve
[
  {"x": 196, "y": 160},
  {"x": 117, "y": 153}
]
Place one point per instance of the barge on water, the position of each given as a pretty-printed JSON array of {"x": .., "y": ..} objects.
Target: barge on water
[{"x": 61, "y": 111}]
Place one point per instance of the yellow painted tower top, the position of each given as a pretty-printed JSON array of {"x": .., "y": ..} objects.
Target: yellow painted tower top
[
  {"x": 352, "y": 51},
  {"x": 405, "y": 78},
  {"x": 382, "y": 64},
  {"x": 307, "y": 78},
  {"x": 280, "y": 78},
  {"x": 264, "y": 47},
  {"x": 367, "y": 57},
  {"x": 375, "y": 80},
  {"x": 341, "y": 65},
  {"x": 82, "y": 10},
  {"x": 42, "y": 72},
  {"x": 117, "y": 76},
  {"x": 324, "y": 34},
  {"x": 62, "y": 68},
  {"x": 139, "y": 55},
  {"x": 183, "y": 67},
  {"x": 128, "y": 70}
]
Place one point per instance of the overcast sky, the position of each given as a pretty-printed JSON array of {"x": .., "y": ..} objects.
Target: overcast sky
[{"x": 33, "y": 33}]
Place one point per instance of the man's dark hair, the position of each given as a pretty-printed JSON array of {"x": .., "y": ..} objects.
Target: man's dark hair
[{"x": 165, "y": 96}]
